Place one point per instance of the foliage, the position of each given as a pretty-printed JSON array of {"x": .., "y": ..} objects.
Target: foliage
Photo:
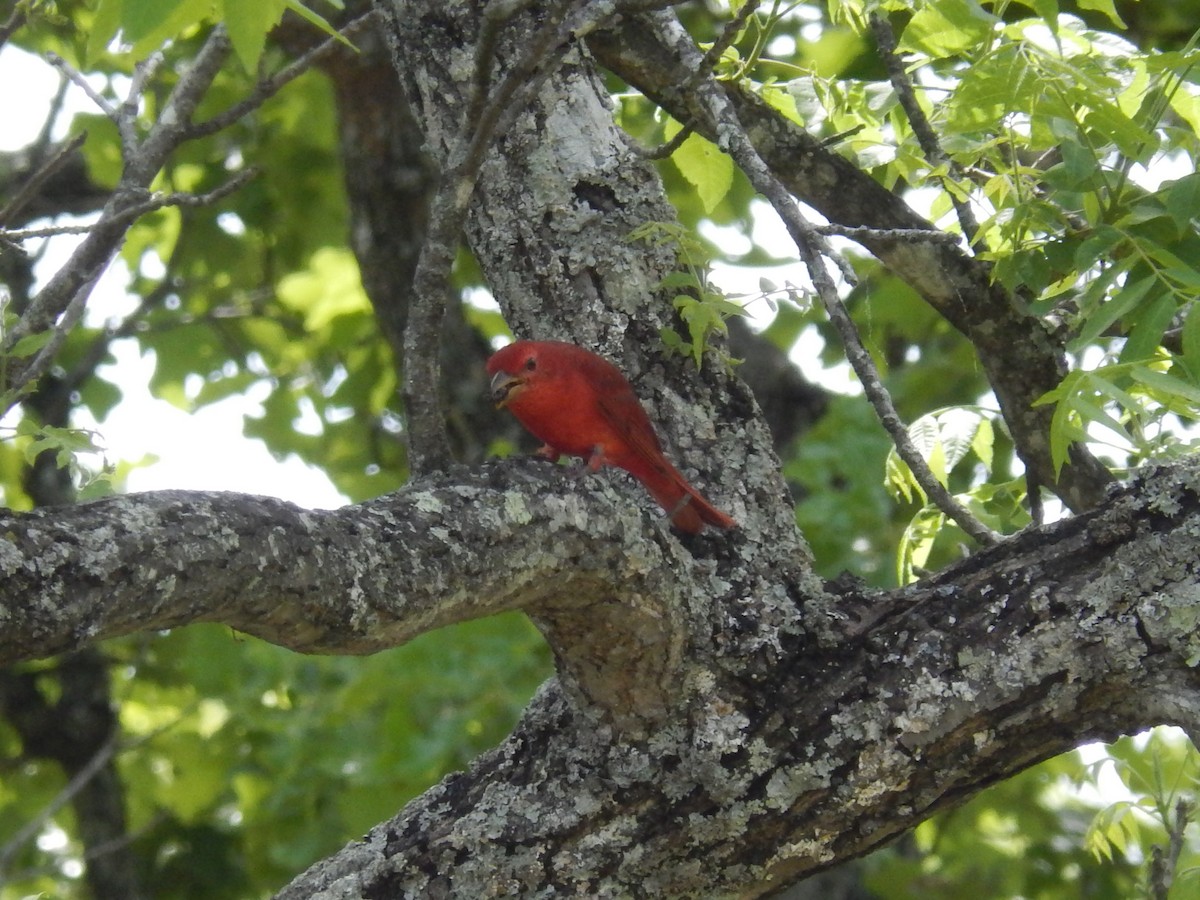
[
  {"x": 701, "y": 307},
  {"x": 1075, "y": 146}
]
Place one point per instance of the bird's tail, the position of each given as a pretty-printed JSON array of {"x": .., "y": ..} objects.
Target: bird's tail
[{"x": 685, "y": 506}]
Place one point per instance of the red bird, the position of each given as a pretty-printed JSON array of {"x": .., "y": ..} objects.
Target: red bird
[{"x": 579, "y": 404}]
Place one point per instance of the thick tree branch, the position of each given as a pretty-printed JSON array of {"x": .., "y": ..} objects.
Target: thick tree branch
[
  {"x": 598, "y": 577},
  {"x": 825, "y": 747}
]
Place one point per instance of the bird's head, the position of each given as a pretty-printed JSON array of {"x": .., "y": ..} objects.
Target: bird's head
[{"x": 512, "y": 369}]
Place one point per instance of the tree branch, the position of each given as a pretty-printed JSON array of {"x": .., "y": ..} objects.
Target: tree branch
[
  {"x": 94, "y": 253},
  {"x": 66, "y": 293},
  {"x": 366, "y": 578},
  {"x": 823, "y": 750},
  {"x": 30, "y": 188},
  {"x": 931, "y": 146},
  {"x": 267, "y": 88}
]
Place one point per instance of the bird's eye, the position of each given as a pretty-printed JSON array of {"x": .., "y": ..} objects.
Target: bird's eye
[{"x": 530, "y": 364}]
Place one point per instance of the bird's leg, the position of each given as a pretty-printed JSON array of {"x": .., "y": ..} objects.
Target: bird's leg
[
  {"x": 547, "y": 452},
  {"x": 591, "y": 463},
  {"x": 596, "y": 460}
]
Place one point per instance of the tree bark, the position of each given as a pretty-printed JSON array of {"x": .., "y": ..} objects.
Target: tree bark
[{"x": 796, "y": 726}]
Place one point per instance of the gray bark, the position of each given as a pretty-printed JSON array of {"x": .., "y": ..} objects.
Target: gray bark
[{"x": 801, "y": 727}]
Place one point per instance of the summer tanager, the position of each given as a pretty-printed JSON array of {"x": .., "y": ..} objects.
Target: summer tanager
[{"x": 579, "y": 404}]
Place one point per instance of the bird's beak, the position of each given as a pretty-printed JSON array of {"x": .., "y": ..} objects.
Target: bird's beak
[{"x": 505, "y": 387}]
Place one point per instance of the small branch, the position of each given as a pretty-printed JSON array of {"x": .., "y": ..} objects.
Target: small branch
[
  {"x": 814, "y": 251},
  {"x": 864, "y": 367},
  {"x": 728, "y": 34},
  {"x": 34, "y": 184},
  {"x": 931, "y": 146},
  {"x": 14, "y": 389},
  {"x": 127, "y": 112},
  {"x": 663, "y": 150},
  {"x": 76, "y": 77},
  {"x": 30, "y": 829},
  {"x": 1163, "y": 864},
  {"x": 900, "y": 235},
  {"x": 269, "y": 87},
  {"x": 155, "y": 201}
]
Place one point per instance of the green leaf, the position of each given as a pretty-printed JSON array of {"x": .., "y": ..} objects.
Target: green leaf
[
  {"x": 31, "y": 344},
  {"x": 704, "y": 166},
  {"x": 917, "y": 542},
  {"x": 1165, "y": 383},
  {"x": 313, "y": 18},
  {"x": 1191, "y": 341},
  {"x": 248, "y": 24},
  {"x": 140, "y": 18},
  {"x": 148, "y": 24},
  {"x": 1148, "y": 329},
  {"x": 1104, "y": 6},
  {"x": 943, "y": 438},
  {"x": 105, "y": 25},
  {"x": 1124, "y": 302},
  {"x": 947, "y": 28},
  {"x": 1183, "y": 199}
]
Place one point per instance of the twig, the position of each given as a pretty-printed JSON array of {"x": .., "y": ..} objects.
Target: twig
[
  {"x": 813, "y": 251},
  {"x": 14, "y": 389},
  {"x": 269, "y": 87},
  {"x": 45, "y": 135},
  {"x": 79, "y": 81},
  {"x": 127, "y": 112},
  {"x": 77, "y": 783},
  {"x": 31, "y": 187},
  {"x": 665, "y": 149},
  {"x": 128, "y": 214},
  {"x": 931, "y": 146}
]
